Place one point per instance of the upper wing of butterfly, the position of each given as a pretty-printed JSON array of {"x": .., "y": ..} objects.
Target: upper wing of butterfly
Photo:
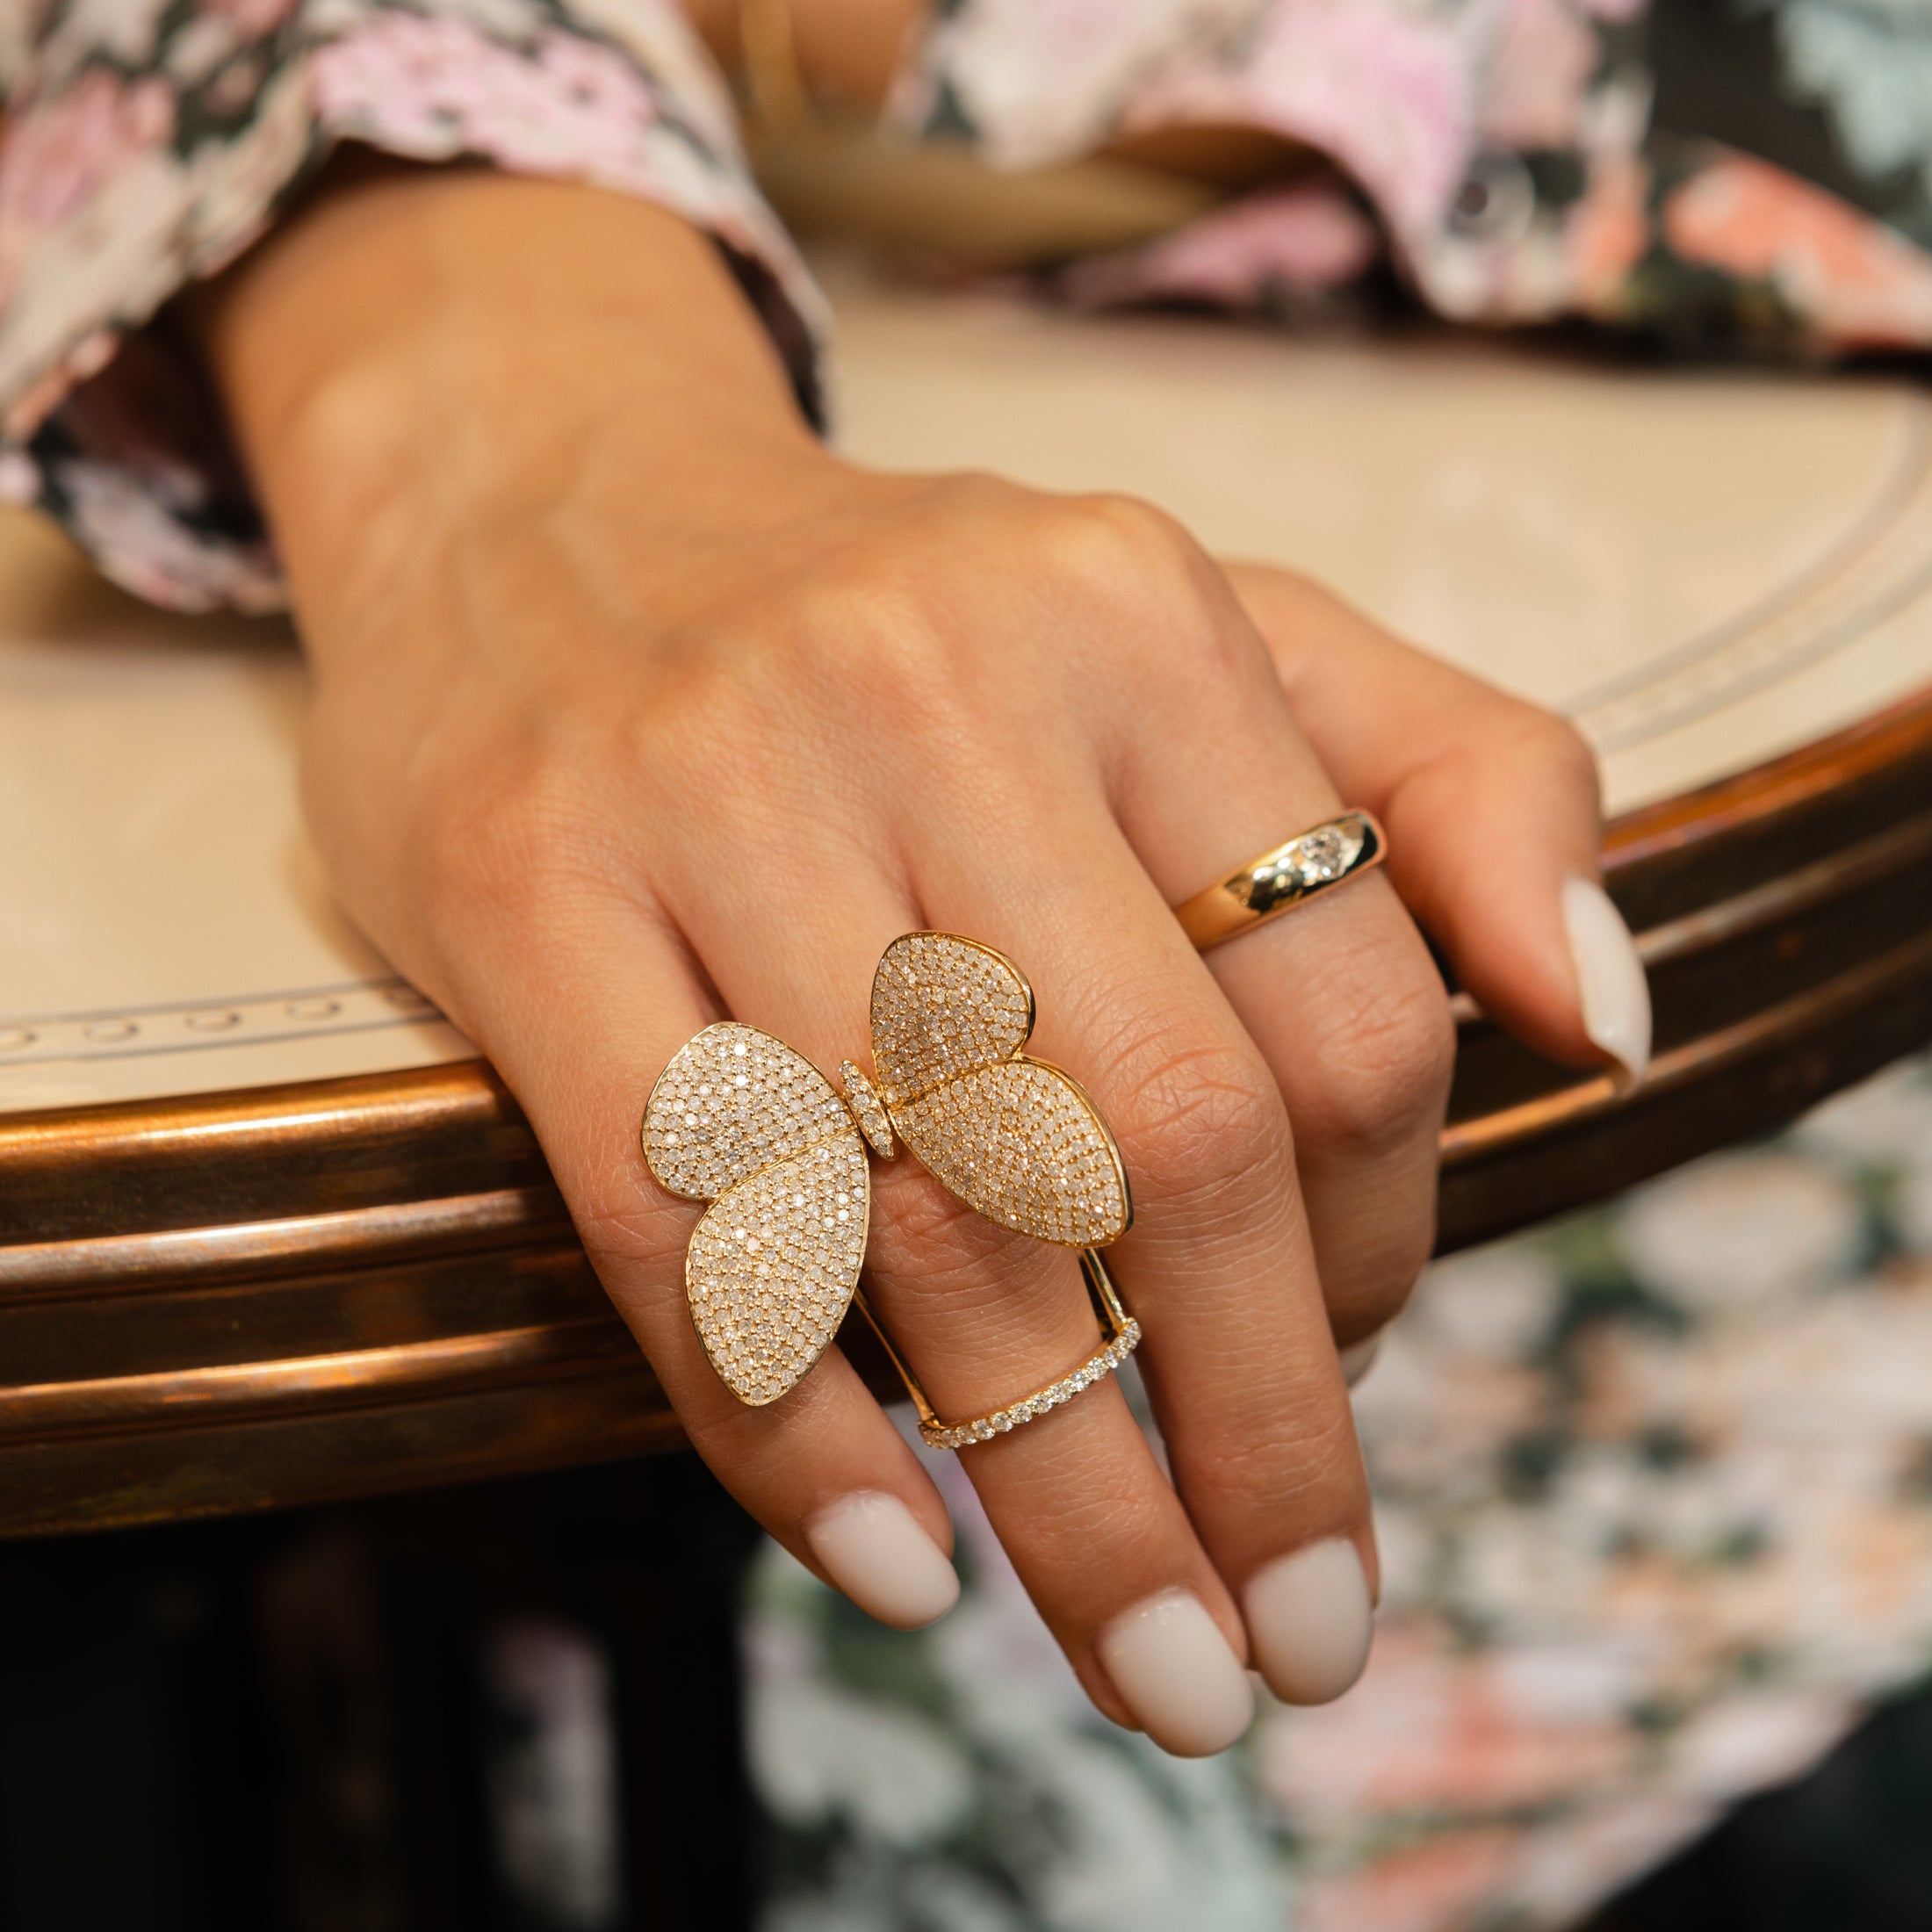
[
  {"x": 740, "y": 1119},
  {"x": 941, "y": 1007},
  {"x": 1012, "y": 1138},
  {"x": 732, "y": 1102}
]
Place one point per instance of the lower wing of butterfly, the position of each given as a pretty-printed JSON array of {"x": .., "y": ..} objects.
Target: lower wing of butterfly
[
  {"x": 741, "y": 1121},
  {"x": 1021, "y": 1141},
  {"x": 771, "y": 1267}
]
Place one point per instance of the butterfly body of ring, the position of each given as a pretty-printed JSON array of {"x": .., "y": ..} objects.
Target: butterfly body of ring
[{"x": 741, "y": 1122}]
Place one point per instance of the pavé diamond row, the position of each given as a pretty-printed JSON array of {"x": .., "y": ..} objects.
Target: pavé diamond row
[{"x": 1097, "y": 1368}]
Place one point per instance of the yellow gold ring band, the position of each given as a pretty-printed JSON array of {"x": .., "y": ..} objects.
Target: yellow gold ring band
[{"x": 1313, "y": 861}]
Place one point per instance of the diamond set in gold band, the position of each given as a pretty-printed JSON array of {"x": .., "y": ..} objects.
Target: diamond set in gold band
[
  {"x": 1002, "y": 1422},
  {"x": 1316, "y": 861}
]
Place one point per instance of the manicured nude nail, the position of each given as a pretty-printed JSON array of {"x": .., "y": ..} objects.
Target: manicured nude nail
[
  {"x": 1610, "y": 977},
  {"x": 1175, "y": 1672},
  {"x": 875, "y": 1550},
  {"x": 1359, "y": 1356},
  {"x": 1310, "y": 1621}
]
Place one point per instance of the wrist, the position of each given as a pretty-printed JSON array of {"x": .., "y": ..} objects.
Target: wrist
[{"x": 420, "y": 344}]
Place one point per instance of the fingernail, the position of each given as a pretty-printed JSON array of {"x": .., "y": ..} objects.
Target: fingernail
[
  {"x": 874, "y": 1549},
  {"x": 1610, "y": 977},
  {"x": 1175, "y": 1672},
  {"x": 1359, "y": 1356},
  {"x": 1310, "y": 1621}
]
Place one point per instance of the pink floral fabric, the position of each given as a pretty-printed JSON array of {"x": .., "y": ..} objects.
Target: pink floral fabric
[
  {"x": 146, "y": 146},
  {"x": 1639, "y": 164},
  {"x": 1500, "y": 161}
]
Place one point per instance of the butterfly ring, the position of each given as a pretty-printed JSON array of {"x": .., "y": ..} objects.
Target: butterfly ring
[{"x": 740, "y": 1119}]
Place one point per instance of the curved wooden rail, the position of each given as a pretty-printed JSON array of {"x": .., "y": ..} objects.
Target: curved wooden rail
[{"x": 298, "y": 1293}]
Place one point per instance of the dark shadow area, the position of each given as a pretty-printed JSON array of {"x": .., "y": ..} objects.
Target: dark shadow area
[
  {"x": 510, "y": 1708},
  {"x": 1847, "y": 1847}
]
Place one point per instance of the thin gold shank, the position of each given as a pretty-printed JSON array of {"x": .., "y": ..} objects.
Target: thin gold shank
[
  {"x": 1287, "y": 876},
  {"x": 1123, "y": 1337}
]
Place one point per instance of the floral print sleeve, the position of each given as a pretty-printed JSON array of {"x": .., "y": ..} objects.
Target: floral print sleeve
[
  {"x": 148, "y": 142},
  {"x": 1754, "y": 176}
]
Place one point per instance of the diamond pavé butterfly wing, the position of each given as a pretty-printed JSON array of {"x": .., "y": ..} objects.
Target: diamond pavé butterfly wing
[
  {"x": 1012, "y": 1138},
  {"x": 740, "y": 1119}
]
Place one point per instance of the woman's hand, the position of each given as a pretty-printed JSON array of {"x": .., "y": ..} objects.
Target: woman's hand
[{"x": 635, "y": 708}]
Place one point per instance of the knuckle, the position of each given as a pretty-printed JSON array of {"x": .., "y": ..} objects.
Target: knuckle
[
  {"x": 1120, "y": 524},
  {"x": 1544, "y": 747},
  {"x": 1167, "y": 624},
  {"x": 1567, "y": 753},
  {"x": 1294, "y": 599},
  {"x": 1382, "y": 1063},
  {"x": 1115, "y": 548},
  {"x": 1199, "y": 1122},
  {"x": 1303, "y": 1466},
  {"x": 876, "y": 645},
  {"x": 864, "y": 614}
]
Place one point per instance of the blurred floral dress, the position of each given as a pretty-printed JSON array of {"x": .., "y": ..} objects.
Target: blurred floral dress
[
  {"x": 1655, "y": 1486},
  {"x": 1706, "y": 175}
]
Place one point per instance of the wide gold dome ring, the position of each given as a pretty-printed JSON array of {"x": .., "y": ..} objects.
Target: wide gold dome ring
[{"x": 1313, "y": 861}]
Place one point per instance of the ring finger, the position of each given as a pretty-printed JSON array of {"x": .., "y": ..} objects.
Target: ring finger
[{"x": 1340, "y": 995}]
